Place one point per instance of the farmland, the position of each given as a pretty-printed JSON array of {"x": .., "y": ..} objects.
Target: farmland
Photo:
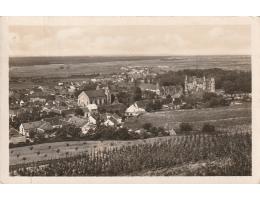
[
  {"x": 64, "y": 66},
  {"x": 226, "y": 119},
  {"x": 201, "y": 155},
  {"x": 69, "y": 148},
  {"x": 221, "y": 117}
]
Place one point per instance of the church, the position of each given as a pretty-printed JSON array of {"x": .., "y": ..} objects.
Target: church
[{"x": 98, "y": 97}]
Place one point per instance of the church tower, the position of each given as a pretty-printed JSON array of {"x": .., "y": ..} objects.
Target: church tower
[
  {"x": 108, "y": 95},
  {"x": 204, "y": 84},
  {"x": 212, "y": 85},
  {"x": 186, "y": 85},
  {"x": 157, "y": 88}
]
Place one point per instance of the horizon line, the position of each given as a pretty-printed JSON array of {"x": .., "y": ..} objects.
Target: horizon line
[{"x": 166, "y": 55}]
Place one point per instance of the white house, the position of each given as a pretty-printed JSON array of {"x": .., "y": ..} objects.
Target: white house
[
  {"x": 26, "y": 128},
  {"x": 15, "y": 137},
  {"x": 21, "y": 103},
  {"x": 134, "y": 110},
  {"x": 110, "y": 122},
  {"x": 92, "y": 120},
  {"x": 92, "y": 107}
]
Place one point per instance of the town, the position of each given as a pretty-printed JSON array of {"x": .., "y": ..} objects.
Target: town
[{"x": 105, "y": 106}]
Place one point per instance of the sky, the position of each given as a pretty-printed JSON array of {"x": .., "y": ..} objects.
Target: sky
[{"x": 129, "y": 40}]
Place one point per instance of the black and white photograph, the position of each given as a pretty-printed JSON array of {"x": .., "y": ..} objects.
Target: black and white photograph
[{"x": 130, "y": 97}]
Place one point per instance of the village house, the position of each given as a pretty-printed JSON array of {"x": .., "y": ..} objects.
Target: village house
[
  {"x": 111, "y": 119},
  {"x": 44, "y": 127},
  {"x": 26, "y": 128},
  {"x": 15, "y": 137},
  {"x": 55, "y": 122},
  {"x": 37, "y": 99},
  {"x": 84, "y": 124},
  {"x": 14, "y": 112},
  {"x": 134, "y": 110},
  {"x": 92, "y": 108}
]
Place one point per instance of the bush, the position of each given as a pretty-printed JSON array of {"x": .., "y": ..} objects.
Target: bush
[
  {"x": 185, "y": 127},
  {"x": 208, "y": 128},
  {"x": 147, "y": 126}
]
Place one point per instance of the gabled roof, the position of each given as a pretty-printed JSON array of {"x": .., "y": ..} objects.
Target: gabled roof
[
  {"x": 112, "y": 120},
  {"x": 85, "y": 110},
  {"x": 95, "y": 93},
  {"x": 53, "y": 120},
  {"x": 143, "y": 103},
  {"x": 116, "y": 116},
  {"x": 79, "y": 122},
  {"x": 46, "y": 126},
  {"x": 13, "y": 132},
  {"x": 32, "y": 125}
]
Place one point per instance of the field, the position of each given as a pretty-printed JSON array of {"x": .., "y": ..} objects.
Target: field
[
  {"x": 194, "y": 155},
  {"x": 222, "y": 117},
  {"x": 64, "y": 66},
  {"x": 226, "y": 119},
  {"x": 68, "y": 148}
]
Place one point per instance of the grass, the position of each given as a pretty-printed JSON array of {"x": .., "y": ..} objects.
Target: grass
[{"x": 220, "y": 117}]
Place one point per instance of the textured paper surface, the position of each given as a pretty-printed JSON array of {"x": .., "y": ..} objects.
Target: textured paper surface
[{"x": 7, "y": 22}]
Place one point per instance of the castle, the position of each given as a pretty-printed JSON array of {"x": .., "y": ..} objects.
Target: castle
[{"x": 197, "y": 85}]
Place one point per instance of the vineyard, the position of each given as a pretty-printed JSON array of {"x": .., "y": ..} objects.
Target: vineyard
[{"x": 215, "y": 155}]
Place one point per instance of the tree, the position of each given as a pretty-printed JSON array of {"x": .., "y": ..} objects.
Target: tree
[
  {"x": 185, "y": 127},
  {"x": 137, "y": 94},
  {"x": 147, "y": 126},
  {"x": 168, "y": 99},
  {"x": 68, "y": 130},
  {"x": 125, "y": 98},
  {"x": 79, "y": 112},
  {"x": 208, "y": 95},
  {"x": 123, "y": 134},
  {"x": 208, "y": 128},
  {"x": 32, "y": 134}
]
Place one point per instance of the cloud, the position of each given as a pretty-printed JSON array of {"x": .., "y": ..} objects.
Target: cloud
[{"x": 139, "y": 40}]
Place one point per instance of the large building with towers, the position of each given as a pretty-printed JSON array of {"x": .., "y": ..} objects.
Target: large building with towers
[{"x": 196, "y": 85}]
